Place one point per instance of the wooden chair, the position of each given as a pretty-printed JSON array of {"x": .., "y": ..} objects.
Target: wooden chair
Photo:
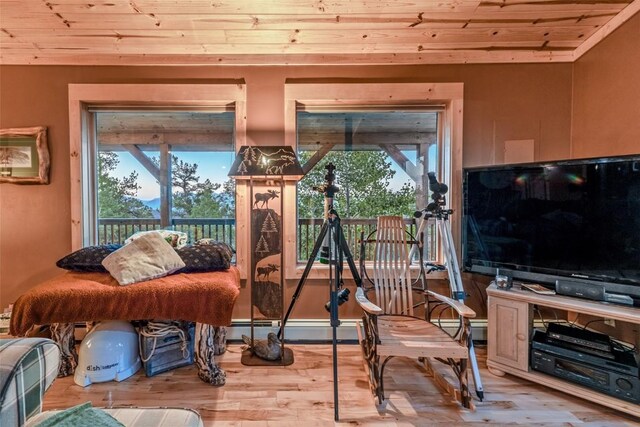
[{"x": 389, "y": 327}]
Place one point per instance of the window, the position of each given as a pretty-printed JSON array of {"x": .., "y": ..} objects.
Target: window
[
  {"x": 133, "y": 174},
  {"x": 355, "y": 125},
  {"x": 218, "y": 110},
  {"x": 381, "y": 157}
]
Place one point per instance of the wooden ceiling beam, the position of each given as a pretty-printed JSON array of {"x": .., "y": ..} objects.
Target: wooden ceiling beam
[
  {"x": 144, "y": 160},
  {"x": 316, "y": 140},
  {"x": 30, "y": 56},
  {"x": 496, "y": 34},
  {"x": 156, "y": 138},
  {"x": 226, "y": 7},
  {"x": 317, "y": 156},
  {"x": 588, "y": 16},
  {"x": 402, "y": 161}
]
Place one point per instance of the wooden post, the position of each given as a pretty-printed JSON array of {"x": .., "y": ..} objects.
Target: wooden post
[
  {"x": 63, "y": 334},
  {"x": 165, "y": 186}
]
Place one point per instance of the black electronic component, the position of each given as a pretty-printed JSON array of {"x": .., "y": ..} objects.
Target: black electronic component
[
  {"x": 579, "y": 336},
  {"x": 618, "y": 378}
]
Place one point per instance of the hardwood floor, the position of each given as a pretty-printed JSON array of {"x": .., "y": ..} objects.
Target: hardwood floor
[{"x": 301, "y": 395}]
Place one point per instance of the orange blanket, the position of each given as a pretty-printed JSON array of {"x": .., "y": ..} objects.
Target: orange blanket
[{"x": 75, "y": 297}]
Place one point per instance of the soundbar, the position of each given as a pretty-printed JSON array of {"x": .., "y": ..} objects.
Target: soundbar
[{"x": 592, "y": 291}]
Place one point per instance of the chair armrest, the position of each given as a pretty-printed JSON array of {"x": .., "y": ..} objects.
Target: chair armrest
[
  {"x": 462, "y": 309},
  {"x": 366, "y": 305},
  {"x": 31, "y": 363}
]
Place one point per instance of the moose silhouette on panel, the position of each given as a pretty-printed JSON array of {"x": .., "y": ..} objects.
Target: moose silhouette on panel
[{"x": 266, "y": 232}]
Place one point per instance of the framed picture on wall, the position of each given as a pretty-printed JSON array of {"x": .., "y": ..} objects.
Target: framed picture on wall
[{"x": 24, "y": 155}]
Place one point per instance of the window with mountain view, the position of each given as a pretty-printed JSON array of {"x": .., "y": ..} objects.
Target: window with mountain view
[
  {"x": 382, "y": 159},
  {"x": 159, "y": 169}
]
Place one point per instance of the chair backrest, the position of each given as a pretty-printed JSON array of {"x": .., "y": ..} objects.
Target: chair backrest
[{"x": 391, "y": 267}]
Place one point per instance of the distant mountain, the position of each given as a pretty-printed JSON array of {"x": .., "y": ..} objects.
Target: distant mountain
[{"x": 153, "y": 203}]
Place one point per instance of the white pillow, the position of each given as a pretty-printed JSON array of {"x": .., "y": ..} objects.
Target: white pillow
[
  {"x": 177, "y": 239},
  {"x": 147, "y": 257}
]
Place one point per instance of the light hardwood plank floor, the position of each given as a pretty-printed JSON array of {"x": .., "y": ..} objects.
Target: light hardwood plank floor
[{"x": 302, "y": 395}]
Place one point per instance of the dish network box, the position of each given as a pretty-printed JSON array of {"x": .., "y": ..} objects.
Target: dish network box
[{"x": 165, "y": 352}]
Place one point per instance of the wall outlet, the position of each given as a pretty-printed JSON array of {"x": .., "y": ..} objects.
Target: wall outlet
[{"x": 610, "y": 322}]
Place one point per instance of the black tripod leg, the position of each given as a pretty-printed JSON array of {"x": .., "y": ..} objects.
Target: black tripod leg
[
  {"x": 305, "y": 274},
  {"x": 347, "y": 254}
]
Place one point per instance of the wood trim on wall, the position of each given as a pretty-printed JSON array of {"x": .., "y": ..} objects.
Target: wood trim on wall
[
  {"x": 344, "y": 94},
  {"x": 606, "y": 29},
  {"x": 81, "y": 96}
]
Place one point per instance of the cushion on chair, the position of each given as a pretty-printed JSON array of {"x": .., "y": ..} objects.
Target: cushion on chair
[{"x": 141, "y": 417}]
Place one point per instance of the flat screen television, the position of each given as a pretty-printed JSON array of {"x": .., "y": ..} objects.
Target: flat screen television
[{"x": 570, "y": 220}]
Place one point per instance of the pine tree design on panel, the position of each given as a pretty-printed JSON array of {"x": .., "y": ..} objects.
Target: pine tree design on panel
[
  {"x": 262, "y": 245},
  {"x": 269, "y": 225}
]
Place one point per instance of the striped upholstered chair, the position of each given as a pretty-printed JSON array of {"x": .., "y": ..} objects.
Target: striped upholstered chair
[{"x": 28, "y": 367}]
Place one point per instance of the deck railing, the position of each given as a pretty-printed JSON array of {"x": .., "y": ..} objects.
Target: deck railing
[
  {"x": 117, "y": 230},
  {"x": 353, "y": 228}
]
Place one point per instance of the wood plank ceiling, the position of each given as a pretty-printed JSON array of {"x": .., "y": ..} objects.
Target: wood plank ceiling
[{"x": 254, "y": 32}]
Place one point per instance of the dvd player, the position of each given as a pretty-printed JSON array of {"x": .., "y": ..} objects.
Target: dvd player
[{"x": 579, "y": 336}]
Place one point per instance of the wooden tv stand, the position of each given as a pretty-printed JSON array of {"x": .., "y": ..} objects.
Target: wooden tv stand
[{"x": 510, "y": 327}]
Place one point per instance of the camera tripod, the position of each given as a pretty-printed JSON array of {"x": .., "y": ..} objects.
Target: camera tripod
[
  {"x": 435, "y": 210},
  {"x": 333, "y": 248}
]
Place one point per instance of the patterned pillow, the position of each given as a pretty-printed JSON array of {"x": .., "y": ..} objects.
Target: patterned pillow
[
  {"x": 177, "y": 239},
  {"x": 205, "y": 257},
  {"x": 147, "y": 257},
  {"x": 214, "y": 242},
  {"x": 88, "y": 259}
]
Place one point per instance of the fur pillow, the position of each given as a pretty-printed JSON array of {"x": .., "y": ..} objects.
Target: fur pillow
[
  {"x": 147, "y": 257},
  {"x": 176, "y": 239},
  {"x": 87, "y": 259}
]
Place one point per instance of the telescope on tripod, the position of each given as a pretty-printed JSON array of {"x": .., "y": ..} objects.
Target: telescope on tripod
[
  {"x": 436, "y": 211},
  {"x": 334, "y": 250}
]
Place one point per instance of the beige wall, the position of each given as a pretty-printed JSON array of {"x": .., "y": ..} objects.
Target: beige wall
[
  {"x": 502, "y": 102},
  {"x": 606, "y": 95}
]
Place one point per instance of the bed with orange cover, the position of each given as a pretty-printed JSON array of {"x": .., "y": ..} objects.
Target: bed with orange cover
[{"x": 205, "y": 298}]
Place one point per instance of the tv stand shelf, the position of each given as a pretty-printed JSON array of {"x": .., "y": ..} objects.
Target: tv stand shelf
[{"x": 510, "y": 327}]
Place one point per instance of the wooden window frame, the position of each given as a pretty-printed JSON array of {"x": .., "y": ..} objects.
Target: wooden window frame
[
  {"x": 448, "y": 95},
  {"x": 82, "y": 150}
]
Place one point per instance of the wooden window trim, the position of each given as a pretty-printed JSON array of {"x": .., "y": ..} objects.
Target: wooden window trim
[
  {"x": 449, "y": 95},
  {"x": 81, "y": 96}
]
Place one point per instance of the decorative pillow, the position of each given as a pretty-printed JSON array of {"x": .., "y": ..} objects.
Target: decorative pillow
[
  {"x": 205, "y": 257},
  {"x": 88, "y": 259},
  {"x": 147, "y": 257},
  {"x": 214, "y": 242},
  {"x": 176, "y": 239}
]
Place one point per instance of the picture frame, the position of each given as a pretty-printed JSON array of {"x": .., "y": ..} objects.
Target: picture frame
[{"x": 24, "y": 155}]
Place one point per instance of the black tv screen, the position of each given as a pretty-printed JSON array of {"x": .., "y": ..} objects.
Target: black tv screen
[{"x": 578, "y": 218}]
